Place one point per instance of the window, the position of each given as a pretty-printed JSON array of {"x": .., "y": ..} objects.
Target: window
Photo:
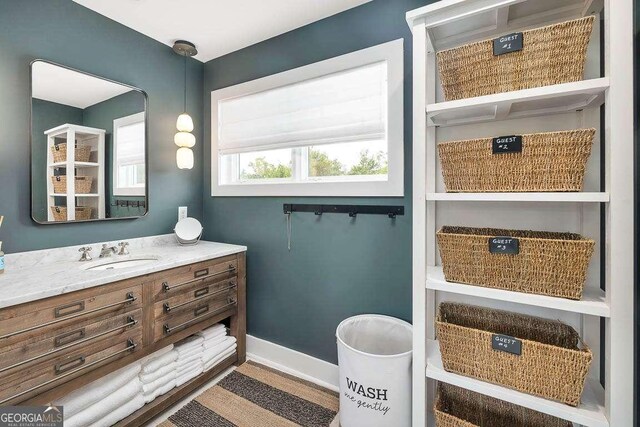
[
  {"x": 128, "y": 155},
  {"x": 333, "y": 128}
]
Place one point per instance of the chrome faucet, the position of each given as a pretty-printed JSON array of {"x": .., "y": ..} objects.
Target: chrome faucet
[
  {"x": 123, "y": 248},
  {"x": 106, "y": 251},
  {"x": 85, "y": 253}
]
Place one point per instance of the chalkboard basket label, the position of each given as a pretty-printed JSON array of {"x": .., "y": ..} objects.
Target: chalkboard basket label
[
  {"x": 508, "y": 43},
  {"x": 504, "y": 245},
  {"x": 507, "y": 144},
  {"x": 507, "y": 344}
]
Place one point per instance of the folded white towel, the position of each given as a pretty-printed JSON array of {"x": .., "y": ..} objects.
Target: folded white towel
[
  {"x": 91, "y": 393},
  {"x": 194, "y": 351},
  {"x": 123, "y": 412},
  {"x": 186, "y": 361},
  {"x": 213, "y": 335},
  {"x": 160, "y": 382},
  {"x": 156, "y": 354},
  {"x": 148, "y": 397},
  {"x": 103, "y": 407},
  {"x": 218, "y": 349},
  {"x": 213, "y": 362},
  {"x": 213, "y": 341},
  {"x": 212, "y": 331},
  {"x": 186, "y": 368},
  {"x": 156, "y": 363},
  {"x": 188, "y": 343},
  {"x": 186, "y": 376},
  {"x": 159, "y": 373}
]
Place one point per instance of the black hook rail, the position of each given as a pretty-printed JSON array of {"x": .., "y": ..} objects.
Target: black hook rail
[
  {"x": 129, "y": 203},
  {"x": 352, "y": 210}
]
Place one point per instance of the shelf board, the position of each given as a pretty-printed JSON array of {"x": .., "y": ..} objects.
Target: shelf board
[
  {"x": 75, "y": 164},
  {"x": 592, "y": 302},
  {"x": 580, "y": 197},
  {"x": 538, "y": 101},
  {"x": 590, "y": 413},
  {"x": 454, "y": 22}
]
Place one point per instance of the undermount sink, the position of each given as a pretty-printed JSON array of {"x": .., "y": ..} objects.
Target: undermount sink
[{"x": 116, "y": 264}]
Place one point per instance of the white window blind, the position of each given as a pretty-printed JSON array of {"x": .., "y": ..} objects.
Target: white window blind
[
  {"x": 340, "y": 107},
  {"x": 129, "y": 155},
  {"x": 130, "y": 144}
]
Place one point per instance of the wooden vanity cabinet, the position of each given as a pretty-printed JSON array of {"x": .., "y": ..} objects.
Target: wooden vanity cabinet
[{"x": 51, "y": 347}]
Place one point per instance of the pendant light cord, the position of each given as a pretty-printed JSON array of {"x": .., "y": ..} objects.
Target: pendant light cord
[{"x": 185, "y": 83}]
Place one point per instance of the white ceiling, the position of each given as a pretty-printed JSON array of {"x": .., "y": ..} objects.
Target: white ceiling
[
  {"x": 217, "y": 27},
  {"x": 68, "y": 87}
]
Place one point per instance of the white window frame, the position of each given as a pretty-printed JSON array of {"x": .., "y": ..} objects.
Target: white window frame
[
  {"x": 391, "y": 52},
  {"x": 117, "y": 190}
]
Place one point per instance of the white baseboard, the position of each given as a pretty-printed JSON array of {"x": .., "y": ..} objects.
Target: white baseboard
[{"x": 293, "y": 362}]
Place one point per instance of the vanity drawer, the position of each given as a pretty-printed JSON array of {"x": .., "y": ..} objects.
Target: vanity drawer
[
  {"x": 193, "y": 294},
  {"x": 23, "y": 384},
  {"x": 173, "y": 282},
  {"x": 22, "y": 352},
  {"x": 194, "y": 312},
  {"x": 67, "y": 310}
]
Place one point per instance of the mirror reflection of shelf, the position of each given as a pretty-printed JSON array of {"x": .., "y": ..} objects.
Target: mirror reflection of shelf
[{"x": 77, "y": 136}]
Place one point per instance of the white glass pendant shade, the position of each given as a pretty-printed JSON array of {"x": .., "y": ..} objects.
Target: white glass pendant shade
[
  {"x": 184, "y": 123},
  {"x": 184, "y": 158},
  {"x": 184, "y": 139}
]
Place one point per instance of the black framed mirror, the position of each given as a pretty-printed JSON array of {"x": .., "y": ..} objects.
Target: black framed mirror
[{"x": 89, "y": 147}]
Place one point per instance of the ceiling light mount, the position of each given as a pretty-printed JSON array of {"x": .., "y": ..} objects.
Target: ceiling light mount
[{"x": 184, "y": 48}]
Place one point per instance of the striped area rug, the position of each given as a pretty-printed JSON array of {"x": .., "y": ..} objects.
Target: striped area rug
[{"x": 257, "y": 396}]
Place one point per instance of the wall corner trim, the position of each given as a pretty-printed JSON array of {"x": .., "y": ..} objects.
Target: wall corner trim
[{"x": 293, "y": 362}]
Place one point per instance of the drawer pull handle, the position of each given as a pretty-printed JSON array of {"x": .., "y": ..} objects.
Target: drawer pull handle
[
  {"x": 75, "y": 307},
  {"x": 170, "y": 329},
  {"x": 201, "y": 273},
  {"x": 131, "y": 346},
  {"x": 63, "y": 367},
  {"x": 201, "y": 292},
  {"x": 168, "y": 308},
  {"x": 68, "y": 338},
  {"x": 129, "y": 299},
  {"x": 131, "y": 322},
  {"x": 166, "y": 287}
]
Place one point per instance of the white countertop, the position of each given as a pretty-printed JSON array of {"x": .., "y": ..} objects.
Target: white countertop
[{"x": 35, "y": 275}]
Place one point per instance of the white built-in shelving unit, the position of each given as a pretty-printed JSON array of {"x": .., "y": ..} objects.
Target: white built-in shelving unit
[
  {"x": 603, "y": 211},
  {"x": 95, "y": 168}
]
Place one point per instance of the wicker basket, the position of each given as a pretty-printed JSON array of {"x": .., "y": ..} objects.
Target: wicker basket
[
  {"x": 83, "y": 213},
  {"x": 59, "y": 151},
  {"x": 553, "y": 264},
  {"x": 457, "y": 407},
  {"x": 83, "y": 184},
  {"x": 550, "y": 55},
  {"x": 550, "y": 365},
  {"x": 550, "y": 161}
]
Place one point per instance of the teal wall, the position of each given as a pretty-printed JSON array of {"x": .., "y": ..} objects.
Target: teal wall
[
  {"x": 337, "y": 267},
  {"x": 64, "y": 32},
  {"x": 45, "y": 115}
]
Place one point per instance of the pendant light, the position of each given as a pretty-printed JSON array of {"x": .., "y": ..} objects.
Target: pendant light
[{"x": 184, "y": 138}]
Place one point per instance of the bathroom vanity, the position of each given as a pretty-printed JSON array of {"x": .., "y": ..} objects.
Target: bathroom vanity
[{"x": 65, "y": 323}]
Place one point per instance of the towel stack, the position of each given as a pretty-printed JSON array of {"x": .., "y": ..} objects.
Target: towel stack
[
  {"x": 189, "y": 362},
  {"x": 217, "y": 345},
  {"x": 158, "y": 373},
  {"x": 106, "y": 401}
]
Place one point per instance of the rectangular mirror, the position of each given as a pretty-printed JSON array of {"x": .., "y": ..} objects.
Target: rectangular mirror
[{"x": 88, "y": 147}]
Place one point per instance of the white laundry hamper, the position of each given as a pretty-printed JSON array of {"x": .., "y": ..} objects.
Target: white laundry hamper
[{"x": 374, "y": 357}]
